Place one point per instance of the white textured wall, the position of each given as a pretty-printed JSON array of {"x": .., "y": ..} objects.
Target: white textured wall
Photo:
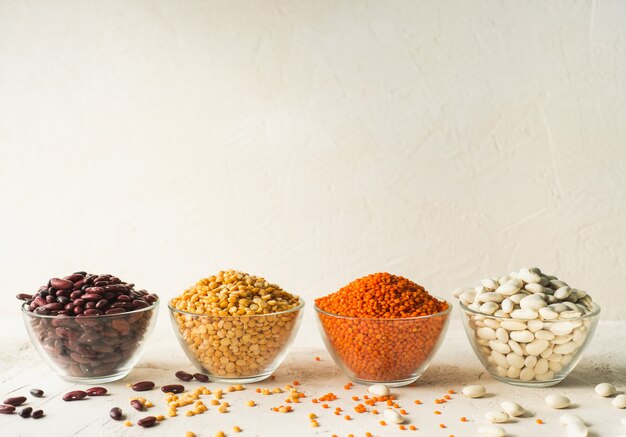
[{"x": 313, "y": 142}]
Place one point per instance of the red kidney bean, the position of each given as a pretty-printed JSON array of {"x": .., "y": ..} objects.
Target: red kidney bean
[
  {"x": 93, "y": 312},
  {"x": 15, "y": 401},
  {"x": 173, "y": 388},
  {"x": 201, "y": 377},
  {"x": 147, "y": 421},
  {"x": 114, "y": 311},
  {"x": 183, "y": 376},
  {"x": 74, "y": 277},
  {"x": 36, "y": 392},
  {"x": 96, "y": 391},
  {"x": 143, "y": 386},
  {"x": 25, "y": 413},
  {"x": 38, "y": 414},
  {"x": 7, "y": 409},
  {"x": 24, "y": 296},
  {"x": 61, "y": 284},
  {"x": 116, "y": 413},
  {"x": 137, "y": 405},
  {"x": 75, "y": 395}
]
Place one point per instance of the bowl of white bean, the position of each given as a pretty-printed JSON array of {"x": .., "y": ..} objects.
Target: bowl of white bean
[{"x": 528, "y": 328}]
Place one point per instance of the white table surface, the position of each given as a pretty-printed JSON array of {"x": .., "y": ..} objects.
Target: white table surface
[{"x": 454, "y": 367}]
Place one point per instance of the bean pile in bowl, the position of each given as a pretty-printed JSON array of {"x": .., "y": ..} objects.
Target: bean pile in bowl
[
  {"x": 528, "y": 328},
  {"x": 382, "y": 328},
  {"x": 236, "y": 327},
  {"x": 89, "y": 327}
]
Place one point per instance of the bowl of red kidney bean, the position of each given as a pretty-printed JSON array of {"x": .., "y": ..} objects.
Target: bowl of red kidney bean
[{"x": 89, "y": 327}]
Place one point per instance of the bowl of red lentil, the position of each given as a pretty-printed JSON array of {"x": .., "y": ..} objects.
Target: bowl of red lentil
[{"x": 382, "y": 328}]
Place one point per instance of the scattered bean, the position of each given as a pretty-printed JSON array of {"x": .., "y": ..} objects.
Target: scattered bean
[
  {"x": 26, "y": 412},
  {"x": 116, "y": 413},
  {"x": 137, "y": 405},
  {"x": 7, "y": 409},
  {"x": 557, "y": 401},
  {"x": 15, "y": 401},
  {"x": 512, "y": 409},
  {"x": 497, "y": 416},
  {"x": 378, "y": 390},
  {"x": 201, "y": 377},
  {"x": 143, "y": 386},
  {"x": 147, "y": 421},
  {"x": 474, "y": 391},
  {"x": 96, "y": 391},
  {"x": 173, "y": 388},
  {"x": 37, "y": 414},
  {"x": 605, "y": 389},
  {"x": 393, "y": 416},
  {"x": 619, "y": 401},
  {"x": 184, "y": 376},
  {"x": 75, "y": 395},
  {"x": 36, "y": 392}
]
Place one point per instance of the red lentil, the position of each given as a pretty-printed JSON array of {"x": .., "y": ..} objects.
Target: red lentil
[
  {"x": 394, "y": 349},
  {"x": 540, "y": 422}
]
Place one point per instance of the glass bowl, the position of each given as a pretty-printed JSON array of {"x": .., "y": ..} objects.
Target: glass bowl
[
  {"x": 542, "y": 352},
  {"x": 394, "y": 352},
  {"x": 91, "y": 349},
  {"x": 236, "y": 349}
]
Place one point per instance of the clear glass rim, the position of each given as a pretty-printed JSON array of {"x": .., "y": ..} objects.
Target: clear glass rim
[
  {"x": 392, "y": 319},
  {"x": 101, "y": 316},
  {"x": 298, "y": 307},
  {"x": 595, "y": 310}
]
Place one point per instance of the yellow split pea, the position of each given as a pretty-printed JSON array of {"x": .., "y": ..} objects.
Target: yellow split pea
[{"x": 228, "y": 339}]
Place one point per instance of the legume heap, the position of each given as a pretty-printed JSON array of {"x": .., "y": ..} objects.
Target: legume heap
[
  {"x": 376, "y": 349},
  {"x": 246, "y": 343}
]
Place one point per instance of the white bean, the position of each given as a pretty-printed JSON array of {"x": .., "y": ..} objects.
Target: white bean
[
  {"x": 512, "y": 409},
  {"x": 619, "y": 401},
  {"x": 533, "y": 303},
  {"x": 522, "y": 336},
  {"x": 515, "y": 360},
  {"x": 513, "y": 325},
  {"x": 507, "y": 289},
  {"x": 527, "y": 374},
  {"x": 489, "y": 308},
  {"x": 537, "y": 346},
  {"x": 378, "y": 390},
  {"x": 502, "y": 335},
  {"x": 486, "y": 333},
  {"x": 497, "y": 416},
  {"x": 393, "y": 416},
  {"x": 557, "y": 401},
  {"x": 474, "y": 391},
  {"x": 542, "y": 366},
  {"x": 605, "y": 389},
  {"x": 524, "y": 314}
]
